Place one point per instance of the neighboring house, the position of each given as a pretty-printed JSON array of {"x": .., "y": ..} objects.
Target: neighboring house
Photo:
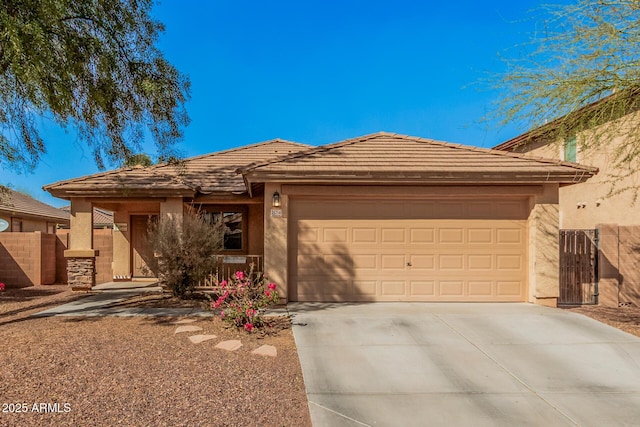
[
  {"x": 22, "y": 213},
  {"x": 383, "y": 217},
  {"x": 591, "y": 205},
  {"x": 102, "y": 219}
]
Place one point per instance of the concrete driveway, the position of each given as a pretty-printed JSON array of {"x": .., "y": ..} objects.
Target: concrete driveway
[{"x": 406, "y": 364}]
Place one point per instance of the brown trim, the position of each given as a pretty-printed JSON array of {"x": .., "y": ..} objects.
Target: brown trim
[
  {"x": 420, "y": 192},
  {"x": 436, "y": 177},
  {"x": 226, "y": 199}
]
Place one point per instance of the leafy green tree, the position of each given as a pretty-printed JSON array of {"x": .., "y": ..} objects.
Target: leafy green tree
[
  {"x": 137, "y": 159},
  {"x": 91, "y": 65},
  {"x": 580, "y": 70}
]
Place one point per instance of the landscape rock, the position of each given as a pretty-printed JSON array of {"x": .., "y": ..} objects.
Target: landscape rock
[
  {"x": 197, "y": 339},
  {"x": 266, "y": 350},
  {"x": 230, "y": 345},
  {"x": 187, "y": 328}
]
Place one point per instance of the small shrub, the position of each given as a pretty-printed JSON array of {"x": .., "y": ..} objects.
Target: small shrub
[
  {"x": 243, "y": 299},
  {"x": 183, "y": 250}
]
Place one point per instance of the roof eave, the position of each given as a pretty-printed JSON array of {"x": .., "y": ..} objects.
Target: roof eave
[
  {"x": 69, "y": 193},
  {"x": 23, "y": 214},
  {"x": 520, "y": 177}
]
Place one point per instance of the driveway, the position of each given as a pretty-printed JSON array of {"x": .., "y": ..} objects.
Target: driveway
[{"x": 402, "y": 364}]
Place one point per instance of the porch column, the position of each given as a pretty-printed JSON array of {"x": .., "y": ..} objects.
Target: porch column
[
  {"x": 275, "y": 239},
  {"x": 544, "y": 241},
  {"x": 172, "y": 207},
  {"x": 121, "y": 246},
  {"x": 81, "y": 257}
]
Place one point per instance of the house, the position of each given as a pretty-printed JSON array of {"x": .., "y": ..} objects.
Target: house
[
  {"x": 382, "y": 217},
  {"x": 22, "y": 213},
  {"x": 598, "y": 205}
]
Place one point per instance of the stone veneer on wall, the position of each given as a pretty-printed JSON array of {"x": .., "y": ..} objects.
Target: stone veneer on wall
[{"x": 81, "y": 273}]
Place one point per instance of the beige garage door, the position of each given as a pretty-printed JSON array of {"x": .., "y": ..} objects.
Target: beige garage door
[{"x": 408, "y": 251}]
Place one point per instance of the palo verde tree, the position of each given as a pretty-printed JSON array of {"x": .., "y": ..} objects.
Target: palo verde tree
[
  {"x": 91, "y": 65},
  {"x": 580, "y": 70}
]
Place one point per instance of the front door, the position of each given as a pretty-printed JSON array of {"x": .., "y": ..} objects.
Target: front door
[{"x": 140, "y": 252}]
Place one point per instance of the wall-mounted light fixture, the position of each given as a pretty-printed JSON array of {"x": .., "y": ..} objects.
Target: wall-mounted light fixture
[{"x": 275, "y": 200}]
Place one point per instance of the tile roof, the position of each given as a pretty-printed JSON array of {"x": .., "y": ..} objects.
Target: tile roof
[
  {"x": 390, "y": 157},
  {"x": 101, "y": 217},
  {"x": 18, "y": 204},
  {"x": 209, "y": 173}
]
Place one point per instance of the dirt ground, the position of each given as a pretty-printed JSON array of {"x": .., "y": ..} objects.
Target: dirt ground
[
  {"x": 105, "y": 371},
  {"x": 626, "y": 319}
]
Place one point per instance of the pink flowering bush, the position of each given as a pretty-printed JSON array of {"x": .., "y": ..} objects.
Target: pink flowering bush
[
  {"x": 1, "y": 286},
  {"x": 243, "y": 299}
]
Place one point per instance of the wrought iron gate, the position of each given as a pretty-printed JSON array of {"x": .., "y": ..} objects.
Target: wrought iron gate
[{"x": 578, "y": 267}]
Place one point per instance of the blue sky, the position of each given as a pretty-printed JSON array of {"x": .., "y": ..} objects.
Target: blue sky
[{"x": 319, "y": 72}]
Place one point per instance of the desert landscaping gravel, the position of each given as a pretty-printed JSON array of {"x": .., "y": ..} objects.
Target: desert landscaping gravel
[{"x": 135, "y": 371}]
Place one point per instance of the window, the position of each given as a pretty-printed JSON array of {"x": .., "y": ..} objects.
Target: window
[
  {"x": 233, "y": 227},
  {"x": 570, "y": 149}
]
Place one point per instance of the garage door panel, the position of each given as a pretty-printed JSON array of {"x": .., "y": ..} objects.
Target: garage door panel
[
  {"x": 509, "y": 236},
  {"x": 422, "y": 235},
  {"x": 423, "y": 261},
  {"x": 365, "y": 287},
  {"x": 422, "y": 288},
  {"x": 508, "y": 288},
  {"x": 479, "y": 236},
  {"x": 481, "y": 288},
  {"x": 392, "y": 235},
  {"x": 364, "y": 235},
  {"x": 393, "y": 288},
  {"x": 451, "y": 262},
  {"x": 451, "y": 235},
  {"x": 480, "y": 262},
  {"x": 335, "y": 235},
  {"x": 509, "y": 262},
  {"x": 387, "y": 259},
  {"x": 393, "y": 262},
  {"x": 451, "y": 288},
  {"x": 365, "y": 262}
]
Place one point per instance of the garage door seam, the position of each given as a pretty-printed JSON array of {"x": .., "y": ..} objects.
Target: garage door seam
[{"x": 505, "y": 369}]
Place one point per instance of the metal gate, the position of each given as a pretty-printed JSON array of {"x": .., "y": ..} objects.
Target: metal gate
[{"x": 578, "y": 267}]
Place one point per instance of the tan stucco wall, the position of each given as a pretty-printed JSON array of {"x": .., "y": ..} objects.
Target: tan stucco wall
[
  {"x": 587, "y": 204},
  {"x": 122, "y": 211},
  {"x": 275, "y": 240},
  {"x": 33, "y": 225},
  {"x": 81, "y": 237},
  {"x": 543, "y": 247},
  {"x": 121, "y": 248}
]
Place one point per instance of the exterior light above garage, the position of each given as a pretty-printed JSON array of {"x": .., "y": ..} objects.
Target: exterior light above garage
[{"x": 275, "y": 201}]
